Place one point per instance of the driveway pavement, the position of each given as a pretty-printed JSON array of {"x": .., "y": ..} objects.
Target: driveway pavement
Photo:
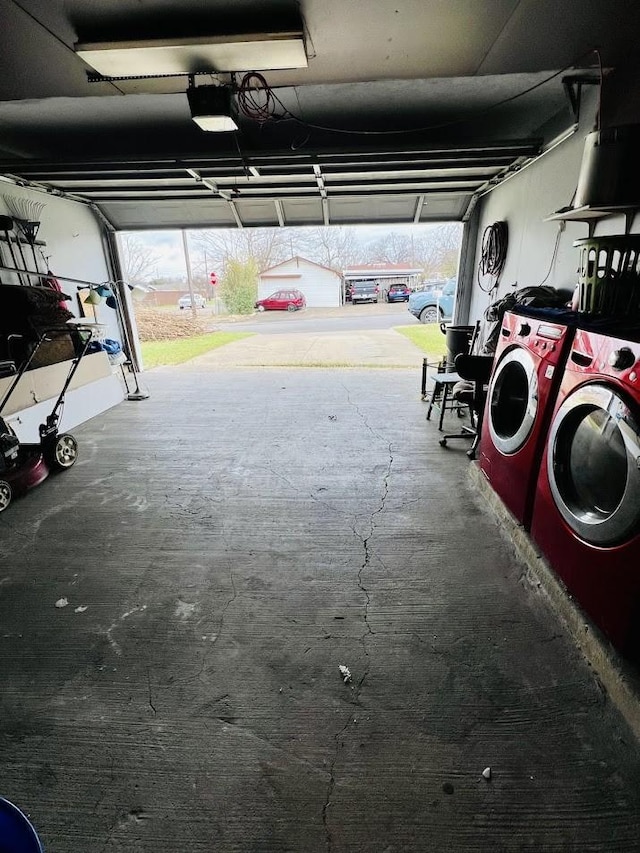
[
  {"x": 346, "y": 318},
  {"x": 371, "y": 348}
]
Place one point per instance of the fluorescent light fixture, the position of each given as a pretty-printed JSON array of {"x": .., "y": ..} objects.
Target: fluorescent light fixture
[
  {"x": 204, "y": 54},
  {"x": 211, "y": 108},
  {"x": 216, "y": 124}
]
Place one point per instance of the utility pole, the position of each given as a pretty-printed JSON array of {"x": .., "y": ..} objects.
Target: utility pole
[{"x": 187, "y": 262}]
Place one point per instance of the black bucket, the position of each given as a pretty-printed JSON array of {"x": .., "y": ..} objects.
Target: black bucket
[{"x": 458, "y": 340}]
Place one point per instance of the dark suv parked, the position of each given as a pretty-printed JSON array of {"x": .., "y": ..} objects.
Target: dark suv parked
[
  {"x": 398, "y": 293},
  {"x": 364, "y": 291}
]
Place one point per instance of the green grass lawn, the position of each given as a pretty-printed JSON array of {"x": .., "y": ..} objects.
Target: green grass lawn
[
  {"x": 156, "y": 353},
  {"x": 426, "y": 337}
]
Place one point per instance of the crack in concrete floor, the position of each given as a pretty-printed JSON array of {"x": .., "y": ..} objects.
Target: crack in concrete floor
[{"x": 365, "y": 540}]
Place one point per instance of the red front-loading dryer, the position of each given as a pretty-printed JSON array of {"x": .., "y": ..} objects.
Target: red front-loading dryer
[
  {"x": 527, "y": 369},
  {"x": 586, "y": 514}
]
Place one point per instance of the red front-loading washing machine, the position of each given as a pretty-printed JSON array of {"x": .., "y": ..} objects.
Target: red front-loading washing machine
[
  {"x": 530, "y": 355},
  {"x": 586, "y": 514}
]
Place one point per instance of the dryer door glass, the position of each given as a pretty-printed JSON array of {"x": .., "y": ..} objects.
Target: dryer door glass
[
  {"x": 596, "y": 474},
  {"x": 594, "y": 453},
  {"x": 513, "y": 396}
]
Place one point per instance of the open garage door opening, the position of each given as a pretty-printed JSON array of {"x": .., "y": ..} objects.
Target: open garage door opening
[{"x": 206, "y": 287}]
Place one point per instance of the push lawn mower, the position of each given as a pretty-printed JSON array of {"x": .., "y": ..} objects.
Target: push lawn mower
[{"x": 23, "y": 466}]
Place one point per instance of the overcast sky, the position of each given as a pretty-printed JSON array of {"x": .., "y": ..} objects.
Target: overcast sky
[{"x": 168, "y": 244}]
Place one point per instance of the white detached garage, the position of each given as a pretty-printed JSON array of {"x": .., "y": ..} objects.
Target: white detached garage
[{"x": 321, "y": 286}]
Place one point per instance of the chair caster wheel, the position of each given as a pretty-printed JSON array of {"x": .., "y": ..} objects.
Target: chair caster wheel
[
  {"x": 471, "y": 454},
  {"x": 443, "y": 442}
]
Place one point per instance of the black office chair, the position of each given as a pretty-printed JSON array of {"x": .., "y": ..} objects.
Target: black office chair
[{"x": 471, "y": 391}]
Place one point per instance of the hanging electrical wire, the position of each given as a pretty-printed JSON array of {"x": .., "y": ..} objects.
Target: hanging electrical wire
[
  {"x": 554, "y": 256},
  {"x": 259, "y": 102},
  {"x": 493, "y": 255}
]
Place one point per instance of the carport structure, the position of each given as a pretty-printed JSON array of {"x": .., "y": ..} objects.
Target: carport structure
[
  {"x": 199, "y": 705},
  {"x": 384, "y": 274}
]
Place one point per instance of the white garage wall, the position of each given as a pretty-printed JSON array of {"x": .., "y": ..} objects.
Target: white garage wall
[
  {"x": 321, "y": 286},
  {"x": 524, "y": 201},
  {"x": 74, "y": 240},
  {"x": 75, "y": 249},
  {"x": 74, "y": 246}
]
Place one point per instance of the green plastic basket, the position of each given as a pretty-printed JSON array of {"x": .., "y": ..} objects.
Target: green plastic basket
[{"x": 609, "y": 276}]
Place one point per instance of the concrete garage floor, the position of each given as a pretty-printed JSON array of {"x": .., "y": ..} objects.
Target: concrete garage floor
[{"x": 234, "y": 539}]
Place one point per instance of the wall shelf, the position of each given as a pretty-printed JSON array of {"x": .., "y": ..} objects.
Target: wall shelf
[
  {"x": 591, "y": 215},
  {"x": 586, "y": 213}
]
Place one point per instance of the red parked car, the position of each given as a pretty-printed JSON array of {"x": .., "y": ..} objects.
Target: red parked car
[{"x": 282, "y": 300}]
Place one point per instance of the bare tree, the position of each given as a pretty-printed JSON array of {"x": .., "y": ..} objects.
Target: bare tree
[
  {"x": 434, "y": 250},
  {"x": 438, "y": 250},
  {"x": 215, "y": 248},
  {"x": 333, "y": 246},
  {"x": 392, "y": 248},
  {"x": 139, "y": 261}
]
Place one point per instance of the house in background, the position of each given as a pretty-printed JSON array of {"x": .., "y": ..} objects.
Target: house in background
[{"x": 321, "y": 286}]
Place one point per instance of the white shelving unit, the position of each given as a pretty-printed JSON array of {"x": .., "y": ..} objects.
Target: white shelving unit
[{"x": 591, "y": 215}]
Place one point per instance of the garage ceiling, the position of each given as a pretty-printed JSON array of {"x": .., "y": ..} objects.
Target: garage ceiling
[{"x": 433, "y": 69}]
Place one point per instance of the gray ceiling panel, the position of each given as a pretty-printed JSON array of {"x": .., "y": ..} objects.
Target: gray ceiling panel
[
  {"x": 372, "y": 209},
  {"x": 131, "y": 216},
  {"x": 359, "y": 40},
  {"x": 438, "y": 208},
  {"x": 257, "y": 212},
  {"x": 299, "y": 212}
]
